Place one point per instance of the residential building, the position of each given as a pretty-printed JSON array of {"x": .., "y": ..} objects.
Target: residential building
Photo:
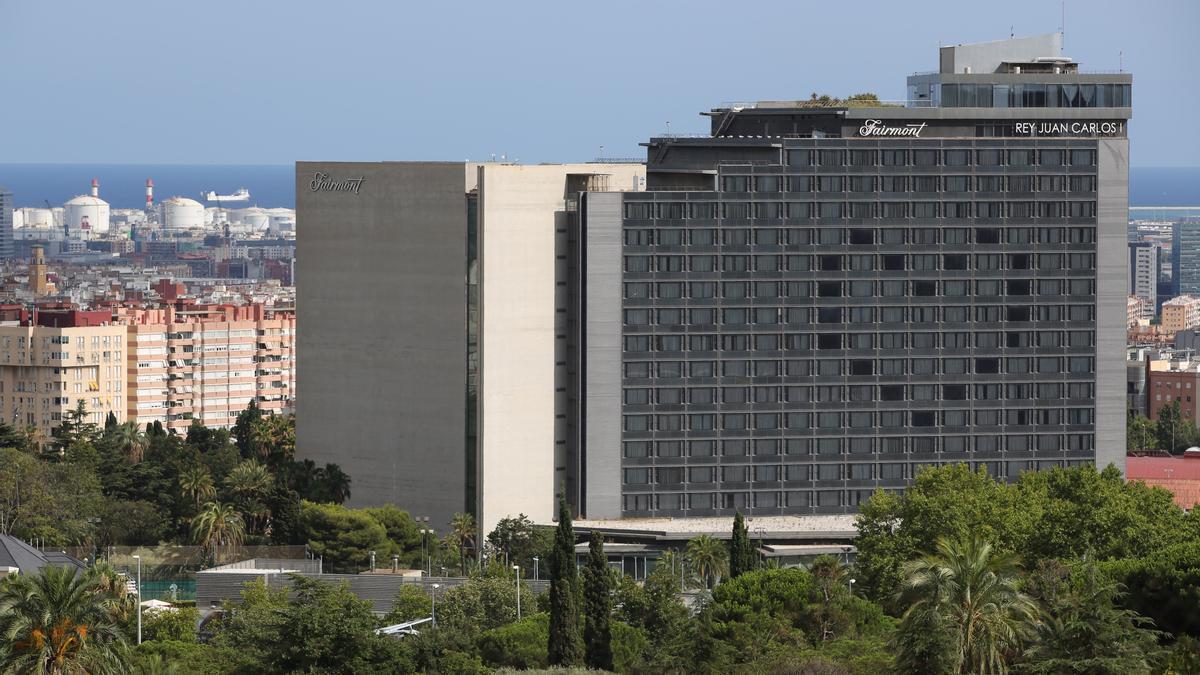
[
  {"x": 1135, "y": 311},
  {"x": 1181, "y": 313},
  {"x": 55, "y": 358},
  {"x": 1173, "y": 379},
  {"x": 1143, "y": 274},
  {"x": 192, "y": 361}
]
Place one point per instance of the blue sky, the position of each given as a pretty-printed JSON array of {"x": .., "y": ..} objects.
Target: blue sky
[{"x": 274, "y": 81}]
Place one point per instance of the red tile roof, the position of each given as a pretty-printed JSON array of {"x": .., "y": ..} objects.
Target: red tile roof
[{"x": 1180, "y": 476}]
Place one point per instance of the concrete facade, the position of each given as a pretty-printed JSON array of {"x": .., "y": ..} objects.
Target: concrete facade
[{"x": 381, "y": 298}]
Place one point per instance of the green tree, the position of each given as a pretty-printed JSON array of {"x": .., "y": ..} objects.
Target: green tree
[
  {"x": 463, "y": 534},
  {"x": 402, "y": 531},
  {"x": 1176, "y": 429},
  {"x": 411, "y": 603},
  {"x": 520, "y": 540},
  {"x": 1163, "y": 585},
  {"x": 742, "y": 556},
  {"x": 131, "y": 440},
  {"x": 58, "y": 621},
  {"x": 518, "y": 645},
  {"x": 597, "y": 606},
  {"x": 708, "y": 558},
  {"x": 176, "y": 624},
  {"x": 1141, "y": 433},
  {"x": 274, "y": 438},
  {"x": 252, "y": 625},
  {"x": 50, "y": 501},
  {"x": 218, "y": 527},
  {"x": 196, "y": 484},
  {"x": 565, "y": 643},
  {"x": 75, "y": 428},
  {"x": 248, "y": 484},
  {"x": 243, "y": 429},
  {"x": 343, "y": 537},
  {"x": 970, "y": 593},
  {"x": 327, "y": 629},
  {"x": 1085, "y": 630}
]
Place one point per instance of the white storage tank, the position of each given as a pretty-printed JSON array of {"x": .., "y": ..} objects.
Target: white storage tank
[
  {"x": 33, "y": 217},
  {"x": 86, "y": 213},
  {"x": 181, "y": 213},
  {"x": 255, "y": 219}
]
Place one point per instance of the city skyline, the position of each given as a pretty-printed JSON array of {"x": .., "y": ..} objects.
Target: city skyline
[{"x": 409, "y": 83}]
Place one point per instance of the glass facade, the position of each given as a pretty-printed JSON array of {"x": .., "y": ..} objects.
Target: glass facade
[
  {"x": 832, "y": 322},
  {"x": 982, "y": 95}
]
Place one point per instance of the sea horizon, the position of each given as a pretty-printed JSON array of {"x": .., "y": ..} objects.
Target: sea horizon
[{"x": 273, "y": 185}]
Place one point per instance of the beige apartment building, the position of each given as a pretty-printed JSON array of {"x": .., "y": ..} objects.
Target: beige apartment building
[
  {"x": 207, "y": 362},
  {"x": 1180, "y": 313},
  {"x": 54, "y": 358}
]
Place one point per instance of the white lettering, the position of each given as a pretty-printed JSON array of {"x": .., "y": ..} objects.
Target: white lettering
[
  {"x": 322, "y": 182},
  {"x": 878, "y": 128}
]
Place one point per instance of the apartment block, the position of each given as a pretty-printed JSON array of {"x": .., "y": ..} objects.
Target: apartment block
[
  {"x": 1181, "y": 313},
  {"x": 1135, "y": 309},
  {"x": 53, "y": 358},
  {"x": 1144, "y": 269},
  {"x": 207, "y": 362}
]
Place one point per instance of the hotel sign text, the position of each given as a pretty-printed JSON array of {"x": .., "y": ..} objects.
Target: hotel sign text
[
  {"x": 321, "y": 182},
  {"x": 878, "y": 128},
  {"x": 1069, "y": 128}
]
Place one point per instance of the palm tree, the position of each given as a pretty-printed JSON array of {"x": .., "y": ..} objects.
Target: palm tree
[
  {"x": 132, "y": 440},
  {"x": 462, "y": 532},
  {"x": 274, "y": 437},
  {"x": 59, "y": 621},
  {"x": 218, "y": 525},
  {"x": 708, "y": 558},
  {"x": 968, "y": 594},
  {"x": 197, "y": 483}
]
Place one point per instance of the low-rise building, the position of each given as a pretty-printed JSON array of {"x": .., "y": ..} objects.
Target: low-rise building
[{"x": 1181, "y": 313}]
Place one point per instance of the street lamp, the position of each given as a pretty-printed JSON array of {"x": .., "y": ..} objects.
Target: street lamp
[
  {"x": 433, "y": 602},
  {"x": 536, "y": 577},
  {"x": 517, "y": 569},
  {"x": 372, "y": 561},
  {"x": 138, "y": 558},
  {"x": 851, "y": 584}
]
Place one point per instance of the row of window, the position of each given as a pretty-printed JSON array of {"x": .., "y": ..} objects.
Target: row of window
[
  {"x": 858, "y": 419},
  {"x": 836, "y": 367},
  {"x": 771, "y": 473},
  {"x": 895, "y": 262},
  {"x": 900, "y": 183},
  {"x": 761, "y": 342},
  {"x": 799, "y": 210},
  {"x": 800, "y": 316},
  {"x": 855, "y": 236},
  {"x": 797, "y": 290},
  {"x": 1036, "y": 96},
  {"x": 730, "y": 448},
  {"x": 830, "y": 393},
  {"x": 1048, "y": 157}
]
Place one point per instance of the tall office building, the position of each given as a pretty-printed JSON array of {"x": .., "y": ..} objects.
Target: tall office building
[
  {"x": 1185, "y": 256},
  {"x": 817, "y": 302},
  {"x": 812, "y": 302},
  {"x": 1144, "y": 269},
  {"x": 434, "y": 312},
  {"x": 7, "y": 249}
]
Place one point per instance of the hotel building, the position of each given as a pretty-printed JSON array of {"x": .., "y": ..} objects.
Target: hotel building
[{"x": 809, "y": 303}]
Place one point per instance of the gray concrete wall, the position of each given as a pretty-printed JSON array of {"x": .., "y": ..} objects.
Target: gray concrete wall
[
  {"x": 381, "y": 303},
  {"x": 1112, "y": 218},
  {"x": 602, "y": 354},
  {"x": 985, "y": 57}
]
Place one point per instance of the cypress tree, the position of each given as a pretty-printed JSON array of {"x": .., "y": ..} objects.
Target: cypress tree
[
  {"x": 565, "y": 646},
  {"x": 742, "y": 557},
  {"x": 597, "y": 604}
]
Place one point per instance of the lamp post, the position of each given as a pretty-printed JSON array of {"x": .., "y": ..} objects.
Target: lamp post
[
  {"x": 517, "y": 570},
  {"x": 851, "y": 584},
  {"x": 536, "y": 577},
  {"x": 138, "y": 558},
  {"x": 433, "y": 602},
  {"x": 372, "y": 561}
]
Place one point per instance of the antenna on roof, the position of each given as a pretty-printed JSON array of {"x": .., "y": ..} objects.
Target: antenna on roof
[
  {"x": 1062, "y": 27},
  {"x": 1011, "y": 32}
]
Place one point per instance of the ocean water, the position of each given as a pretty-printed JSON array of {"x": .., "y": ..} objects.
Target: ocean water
[{"x": 123, "y": 185}]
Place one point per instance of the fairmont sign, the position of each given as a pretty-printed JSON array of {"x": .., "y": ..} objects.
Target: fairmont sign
[
  {"x": 321, "y": 182},
  {"x": 1069, "y": 128},
  {"x": 878, "y": 128}
]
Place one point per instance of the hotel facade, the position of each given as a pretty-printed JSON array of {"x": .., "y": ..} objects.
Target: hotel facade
[{"x": 811, "y": 302}]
